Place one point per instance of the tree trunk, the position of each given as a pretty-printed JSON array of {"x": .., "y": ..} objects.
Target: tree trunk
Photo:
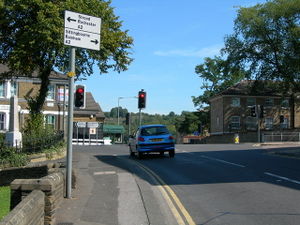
[{"x": 36, "y": 103}]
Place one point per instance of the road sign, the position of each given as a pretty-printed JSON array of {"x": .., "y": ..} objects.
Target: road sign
[
  {"x": 92, "y": 124},
  {"x": 82, "y": 30},
  {"x": 81, "y": 124}
]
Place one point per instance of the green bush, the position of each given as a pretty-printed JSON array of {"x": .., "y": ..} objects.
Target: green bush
[
  {"x": 39, "y": 142},
  {"x": 10, "y": 157}
]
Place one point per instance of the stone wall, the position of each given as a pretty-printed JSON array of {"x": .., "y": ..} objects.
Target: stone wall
[
  {"x": 229, "y": 138},
  {"x": 29, "y": 211},
  {"x": 52, "y": 186},
  {"x": 8, "y": 175}
]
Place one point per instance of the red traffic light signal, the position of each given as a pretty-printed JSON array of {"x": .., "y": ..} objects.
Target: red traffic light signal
[
  {"x": 142, "y": 100},
  {"x": 79, "y": 100}
]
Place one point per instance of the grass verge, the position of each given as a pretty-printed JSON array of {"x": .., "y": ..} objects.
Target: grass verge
[{"x": 4, "y": 201}]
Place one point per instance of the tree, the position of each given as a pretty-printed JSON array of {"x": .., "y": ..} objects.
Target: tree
[
  {"x": 216, "y": 76},
  {"x": 266, "y": 43},
  {"x": 187, "y": 123},
  {"x": 31, "y": 40}
]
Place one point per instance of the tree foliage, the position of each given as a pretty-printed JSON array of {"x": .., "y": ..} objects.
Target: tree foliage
[
  {"x": 186, "y": 123},
  {"x": 216, "y": 76},
  {"x": 31, "y": 40},
  {"x": 266, "y": 42}
]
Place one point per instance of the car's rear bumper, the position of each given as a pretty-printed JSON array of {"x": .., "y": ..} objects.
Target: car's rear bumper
[{"x": 155, "y": 147}]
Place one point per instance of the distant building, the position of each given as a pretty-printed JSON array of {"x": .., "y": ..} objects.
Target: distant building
[
  {"x": 88, "y": 123},
  {"x": 231, "y": 113},
  {"x": 54, "y": 108}
]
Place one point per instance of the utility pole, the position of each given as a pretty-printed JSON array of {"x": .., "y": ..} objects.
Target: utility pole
[{"x": 71, "y": 75}]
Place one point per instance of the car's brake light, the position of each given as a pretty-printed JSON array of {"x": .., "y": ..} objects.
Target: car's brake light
[
  {"x": 141, "y": 139},
  {"x": 171, "y": 137}
]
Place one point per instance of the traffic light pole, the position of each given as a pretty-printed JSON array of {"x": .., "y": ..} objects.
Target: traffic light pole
[
  {"x": 258, "y": 122},
  {"x": 70, "y": 124},
  {"x": 140, "y": 117}
]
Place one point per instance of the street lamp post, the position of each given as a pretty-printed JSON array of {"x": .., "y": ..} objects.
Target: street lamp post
[
  {"x": 119, "y": 109},
  {"x": 119, "y": 98}
]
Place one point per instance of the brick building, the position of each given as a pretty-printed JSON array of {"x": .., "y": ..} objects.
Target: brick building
[
  {"x": 231, "y": 112},
  {"x": 54, "y": 108}
]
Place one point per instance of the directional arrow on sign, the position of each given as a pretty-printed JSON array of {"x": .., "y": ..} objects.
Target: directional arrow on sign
[
  {"x": 95, "y": 41},
  {"x": 70, "y": 19}
]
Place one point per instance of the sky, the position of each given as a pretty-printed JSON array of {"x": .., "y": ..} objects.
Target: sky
[{"x": 171, "y": 37}]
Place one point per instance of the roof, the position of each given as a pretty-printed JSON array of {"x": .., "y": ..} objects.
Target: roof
[
  {"x": 53, "y": 75},
  {"x": 91, "y": 107},
  {"x": 252, "y": 88},
  {"x": 152, "y": 125},
  {"x": 113, "y": 129}
]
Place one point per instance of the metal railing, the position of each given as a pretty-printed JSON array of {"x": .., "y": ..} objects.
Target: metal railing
[{"x": 281, "y": 137}]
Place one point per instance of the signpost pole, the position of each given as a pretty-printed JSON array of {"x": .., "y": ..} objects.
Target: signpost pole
[{"x": 70, "y": 124}]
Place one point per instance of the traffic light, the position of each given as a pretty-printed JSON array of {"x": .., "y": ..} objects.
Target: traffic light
[
  {"x": 262, "y": 112},
  {"x": 142, "y": 99},
  {"x": 127, "y": 118},
  {"x": 253, "y": 111},
  {"x": 79, "y": 100}
]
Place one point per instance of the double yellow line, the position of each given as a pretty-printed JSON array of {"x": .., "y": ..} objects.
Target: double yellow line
[{"x": 180, "y": 213}]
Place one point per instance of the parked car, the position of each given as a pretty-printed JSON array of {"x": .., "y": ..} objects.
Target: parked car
[{"x": 151, "y": 138}]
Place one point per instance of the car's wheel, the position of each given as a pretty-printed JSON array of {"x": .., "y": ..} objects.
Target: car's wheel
[
  {"x": 172, "y": 153},
  {"x": 140, "y": 155}
]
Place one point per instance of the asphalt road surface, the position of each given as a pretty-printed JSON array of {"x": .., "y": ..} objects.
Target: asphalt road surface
[{"x": 212, "y": 184}]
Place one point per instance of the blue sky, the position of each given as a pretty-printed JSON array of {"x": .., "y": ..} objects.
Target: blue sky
[{"x": 171, "y": 37}]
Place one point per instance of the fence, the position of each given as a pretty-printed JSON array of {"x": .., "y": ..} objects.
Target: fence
[
  {"x": 87, "y": 133},
  {"x": 281, "y": 137}
]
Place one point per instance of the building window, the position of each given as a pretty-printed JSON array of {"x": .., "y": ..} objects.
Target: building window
[
  {"x": 13, "y": 88},
  {"x": 2, "y": 89},
  {"x": 51, "y": 92},
  {"x": 50, "y": 121},
  {"x": 269, "y": 123},
  {"x": 235, "y": 102},
  {"x": 251, "y": 102},
  {"x": 2, "y": 121},
  {"x": 235, "y": 123},
  {"x": 269, "y": 102},
  {"x": 285, "y": 103},
  {"x": 285, "y": 123},
  {"x": 251, "y": 123}
]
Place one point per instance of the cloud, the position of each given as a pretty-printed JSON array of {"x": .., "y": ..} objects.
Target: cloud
[{"x": 204, "y": 52}]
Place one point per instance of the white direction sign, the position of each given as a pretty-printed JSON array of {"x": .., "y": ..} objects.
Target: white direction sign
[
  {"x": 81, "y": 124},
  {"x": 82, "y": 30},
  {"x": 92, "y": 124}
]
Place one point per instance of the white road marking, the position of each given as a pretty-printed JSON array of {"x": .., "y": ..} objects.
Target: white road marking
[
  {"x": 283, "y": 178},
  {"x": 105, "y": 173},
  {"x": 222, "y": 161}
]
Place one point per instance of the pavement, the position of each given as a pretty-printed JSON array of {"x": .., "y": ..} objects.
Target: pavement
[{"x": 108, "y": 193}]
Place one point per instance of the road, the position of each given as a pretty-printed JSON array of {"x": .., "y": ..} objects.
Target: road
[{"x": 211, "y": 184}]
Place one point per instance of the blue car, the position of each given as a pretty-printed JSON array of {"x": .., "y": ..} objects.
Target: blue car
[{"x": 152, "y": 138}]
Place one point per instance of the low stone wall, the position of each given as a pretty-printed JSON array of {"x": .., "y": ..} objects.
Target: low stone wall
[
  {"x": 29, "y": 211},
  {"x": 9, "y": 174},
  {"x": 52, "y": 186},
  {"x": 229, "y": 138}
]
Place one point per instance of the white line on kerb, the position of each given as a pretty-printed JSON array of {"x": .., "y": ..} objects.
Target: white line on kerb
[
  {"x": 283, "y": 178},
  {"x": 222, "y": 161}
]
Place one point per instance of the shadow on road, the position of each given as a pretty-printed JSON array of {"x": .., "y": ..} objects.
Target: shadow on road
[{"x": 212, "y": 167}]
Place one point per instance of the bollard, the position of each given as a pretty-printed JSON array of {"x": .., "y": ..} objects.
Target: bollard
[{"x": 236, "y": 139}]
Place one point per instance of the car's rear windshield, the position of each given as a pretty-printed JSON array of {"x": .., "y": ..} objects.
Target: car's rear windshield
[{"x": 149, "y": 131}]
